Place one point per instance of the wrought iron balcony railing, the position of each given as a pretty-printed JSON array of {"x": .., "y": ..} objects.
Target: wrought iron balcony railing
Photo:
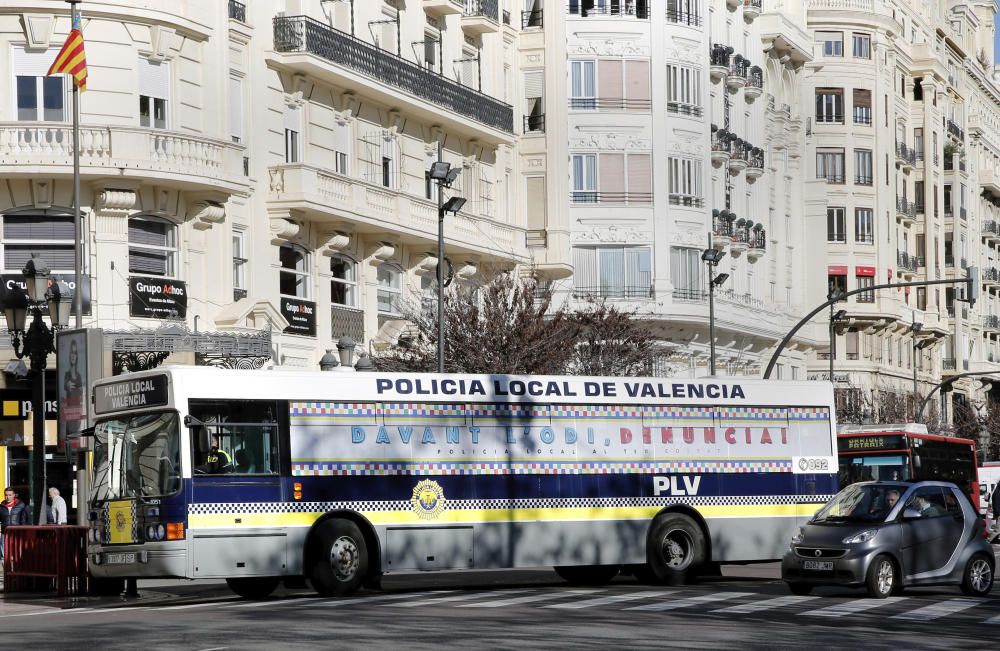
[
  {"x": 534, "y": 123},
  {"x": 682, "y": 16},
  {"x": 616, "y": 291},
  {"x": 531, "y": 19},
  {"x": 486, "y": 8},
  {"x": 304, "y": 34},
  {"x": 637, "y": 8},
  {"x": 621, "y": 198},
  {"x": 683, "y": 108},
  {"x": 237, "y": 11}
]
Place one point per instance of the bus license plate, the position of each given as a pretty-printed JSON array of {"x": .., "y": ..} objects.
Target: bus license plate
[
  {"x": 820, "y": 566},
  {"x": 122, "y": 558}
]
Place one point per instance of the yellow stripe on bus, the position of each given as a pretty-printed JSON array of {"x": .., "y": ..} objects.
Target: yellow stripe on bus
[{"x": 469, "y": 516}]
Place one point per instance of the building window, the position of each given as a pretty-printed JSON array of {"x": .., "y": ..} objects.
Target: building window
[
  {"x": 862, "y": 106},
  {"x": 684, "y": 181},
  {"x": 613, "y": 272},
  {"x": 832, "y": 43},
  {"x": 830, "y": 165},
  {"x": 830, "y": 105},
  {"x": 863, "y": 166},
  {"x": 836, "y": 225},
  {"x": 582, "y": 85},
  {"x": 864, "y": 226},
  {"x": 342, "y": 147},
  {"x": 390, "y": 289},
  {"x": 154, "y": 93},
  {"x": 584, "y": 178},
  {"x": 918, "y": 143},
  {"x": 861, "y": 45},
  {"x": 239, "y": 260},
  {"x": 152, "y": 247},
  {"x": 45, "y": 232},
  {"x": 236, "y": 109},
  {"x": 683, "y": 90},
  {"x": 40, "y": 99},
  {"x": 684, "y": 12},
  {"x": 685, "y": 273},
  {"x": 343, "y": 281},
  {"x": 294, "y": 276},
  {"x": 293, "y": 131},
  {"x": 837, "y": 283},
  {"x": 864, "y": 282}
]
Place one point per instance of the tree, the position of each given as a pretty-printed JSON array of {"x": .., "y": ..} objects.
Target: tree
[{"x": 509, "y": 325}]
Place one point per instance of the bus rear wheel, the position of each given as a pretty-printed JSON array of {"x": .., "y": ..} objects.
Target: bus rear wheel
[
  {"x": 253, "y": 587},
  {"x": 587, "y": 574},
  {"x": 675, "y": 548},
  {"x": 341, "y": 562}
]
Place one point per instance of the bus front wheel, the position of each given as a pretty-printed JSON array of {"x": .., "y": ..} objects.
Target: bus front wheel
[
  {"x": 253, "y": 587},
  {"x": 341, "y": 562},
  {"x": 675, "y": 548}
]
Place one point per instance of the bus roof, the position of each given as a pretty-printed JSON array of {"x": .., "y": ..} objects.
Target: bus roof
[
  {"x": 907, "y": 428},
  {"x": 306, "y": 385}
]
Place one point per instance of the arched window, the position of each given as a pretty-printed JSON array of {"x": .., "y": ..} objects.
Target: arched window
[
  {"x": 294, "y": 280},
  {"x": 343, "y": 281},
  {"x": 390, "y": 289},
  {"x": 152, "y": 247},
  {"x": 49, "y": 233}
]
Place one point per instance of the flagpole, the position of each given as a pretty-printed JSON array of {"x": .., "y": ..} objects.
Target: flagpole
[{"x": 77, "y": 226}]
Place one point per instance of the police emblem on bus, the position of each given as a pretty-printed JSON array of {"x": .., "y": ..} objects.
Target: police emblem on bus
[{"x": 427, "y": 499}]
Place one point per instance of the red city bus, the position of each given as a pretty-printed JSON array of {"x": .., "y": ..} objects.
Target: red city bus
[{"x": 906, "y": 452}]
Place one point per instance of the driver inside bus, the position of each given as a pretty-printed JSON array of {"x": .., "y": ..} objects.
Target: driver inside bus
[{"x": 218, "y": 460}]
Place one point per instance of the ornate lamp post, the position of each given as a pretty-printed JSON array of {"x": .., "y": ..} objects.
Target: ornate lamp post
[
  {"x": 442, "y": 174},
  {"x": 36, "y": 343}
]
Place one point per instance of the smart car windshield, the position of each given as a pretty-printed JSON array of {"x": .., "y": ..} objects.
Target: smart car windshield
[{"x": 861, "y": 503}]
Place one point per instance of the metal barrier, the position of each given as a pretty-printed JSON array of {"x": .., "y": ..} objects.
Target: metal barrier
[{"x": 38, "y": 558}]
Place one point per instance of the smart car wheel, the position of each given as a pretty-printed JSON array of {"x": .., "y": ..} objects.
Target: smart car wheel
[
  {"x": 882, "y": 577},
  {"x": 978, "y": 578}
]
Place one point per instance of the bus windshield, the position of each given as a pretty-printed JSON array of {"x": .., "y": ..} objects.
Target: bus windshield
[
  {"x": 873, "y": 467},
  {"x": 136, "y": 456}
]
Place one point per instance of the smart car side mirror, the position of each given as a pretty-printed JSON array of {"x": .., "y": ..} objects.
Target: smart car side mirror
[{"x": 911, "y": 514}]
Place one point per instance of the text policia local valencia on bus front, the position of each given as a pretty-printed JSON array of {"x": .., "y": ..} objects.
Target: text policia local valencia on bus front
[{"x": 558, "y": 389}]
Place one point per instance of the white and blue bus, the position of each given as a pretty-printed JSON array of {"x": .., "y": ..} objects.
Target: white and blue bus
[{"x": 341, "y": 478}]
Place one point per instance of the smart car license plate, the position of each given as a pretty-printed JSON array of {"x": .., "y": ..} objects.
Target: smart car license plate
[
  {"x": 122, "y": 558},
  {"x": 819, "y": 566}
]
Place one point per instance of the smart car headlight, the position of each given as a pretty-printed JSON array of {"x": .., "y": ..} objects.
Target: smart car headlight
[
  {"x": 861, "y": 537},
  {"x": 797, "y": 538}
]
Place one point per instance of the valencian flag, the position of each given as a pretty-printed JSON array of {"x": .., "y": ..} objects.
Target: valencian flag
[{"x": 72, "y": 60}]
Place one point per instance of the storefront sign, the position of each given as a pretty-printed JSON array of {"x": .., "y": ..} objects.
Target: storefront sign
[
  {"x": 13, "y": 281},
  {"x": 157, "y": 298},
  {"x": 301, "y": 316},
  {"x": 131, "y": 394}
]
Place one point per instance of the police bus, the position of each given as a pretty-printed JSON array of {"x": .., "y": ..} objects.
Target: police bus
[{"x": 343, "y": 477}]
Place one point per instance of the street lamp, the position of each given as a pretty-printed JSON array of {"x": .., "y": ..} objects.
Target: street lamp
[
  {"x": 442, "y": 174},
  {"x": 835, "y": 317},
  {"x": 711, "y": 258},
  {"x": 36, "y": 343},
  {"x": 915, "y": 328}
]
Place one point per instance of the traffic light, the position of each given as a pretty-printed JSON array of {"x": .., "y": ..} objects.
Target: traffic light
[{"x": 972, "y": 292}]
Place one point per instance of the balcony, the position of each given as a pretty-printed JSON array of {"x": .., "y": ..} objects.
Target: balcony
[
  {"x": 688, "y": 200},
  {"x": 736, "y": 77},
  {"x": 189, "y": 161},
  {"x": 755, "y": 85},
  {"x": 752, "y": 9},
  {"x": 989, "y": 181},
  {"x": 722, "y": 146},
  {"x": 532, "y": 19},
  {"x": 955, "y": 131},
  {"x": 347, "y": 321},
  {"x": 534, "y": 123},
  {"x": 755, "y": 169},
  {"x": 718, "y": 60},
  {"x": 238, "y": 11},
  {"x": 621, "y": 9},
  {"x": 906, "y": 265},
  {"x": 758, "y": 245},
  {"x": 991, "y": 323},
  {"x": 609, "y": 104},
  {"x": 906, "y": 158},
  {"x": 612, "y": 198},
  {"x": 722, "y": 229},
  {"x": 333, "y": 56},
  {"x": 480, "y": 17},
  {"x": 682, "y": 16},
  {"x": 784, "y": 36},
  {"x": 991, "y": 277},
  {"x": 327, "y": 199},
  {"x": 863, "y": 179},
  {"x": 442, "y": 8},
  {"x": 906, "y": 211},
  {"x": 616, "y": 291},
  {"x": 991, "y": 231}
]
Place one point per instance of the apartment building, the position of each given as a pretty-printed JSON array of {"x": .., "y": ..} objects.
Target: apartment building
[
  {"x": 254, "y": 177},
  {"x": 902, "y": 133},
  {"x": 684, "y": 131}
]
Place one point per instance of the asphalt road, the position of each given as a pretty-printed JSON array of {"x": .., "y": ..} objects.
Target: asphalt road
[{"x": 746, "y": 608}]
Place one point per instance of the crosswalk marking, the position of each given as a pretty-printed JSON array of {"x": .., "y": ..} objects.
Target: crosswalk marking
[
  {"x": 940, "y": 609},
  {"x": 524, "y": 600},
  {"x": 851, "y": 607},
  {"x": 603, "y": 601},
  {"x": 993, "y": 620},
  {"x": 691, "y": 601},
  {"x": 336, "y": 603},
  {"x": 767, "y": 604},
  {"x": 467, "y": 596},
  {"x": 186, "y": 606}
]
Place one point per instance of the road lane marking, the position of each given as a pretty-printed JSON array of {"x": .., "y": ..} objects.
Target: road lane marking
[
  {"x": 197, "y": 605},
  {"x": 602, "y": 601},
  {"x": 767, "y": 604},
  {"x": 691, "y": 601},
  {"x": 457, "y": 597},
  {"x": 334, "y": 603},
  {"x": 940, "y": 609},
  {"x": 525, "y": 600},
  {"x": 993, "y": 620},
  {"x": 851, "y": 607}
]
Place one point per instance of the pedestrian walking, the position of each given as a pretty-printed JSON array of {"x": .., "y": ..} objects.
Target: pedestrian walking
[
  {"x": 57, "y": 511},
  {"x": 12, "y": 512}
]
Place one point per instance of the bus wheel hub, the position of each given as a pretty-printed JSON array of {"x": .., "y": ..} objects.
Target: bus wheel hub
[{"x": 344, "y": 558}]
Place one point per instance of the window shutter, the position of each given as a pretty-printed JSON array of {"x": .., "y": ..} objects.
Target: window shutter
[
  {"x": 637, "y": 81},
  {"x": 535, "y": 195},
  {"x": 38, "y": 227},
  {"x": 609, "y": 79},
  {"x": 32, "y": 64},
  {"x": 584, "y": 268},
  {"x": 236, "y": 108},
  {"x": 148, "y": 233},
  {"x": 58, "y": 257},
  {"x": 640, "y": 181},
  {"x": 293, "y": 118},
  {"x": 154, "y": 79},
  {"x": 145, "y": 261},
  {"x": 638, "y": 276},
  {"x": 611, "y": 184},
  {"x": 342, "y": 138},
  {"x": 612, "y": 262},
  {"x": 534, "y": 84}
]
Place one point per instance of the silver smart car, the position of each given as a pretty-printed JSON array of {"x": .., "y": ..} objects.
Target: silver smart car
[{"x": 887, "y": 535}]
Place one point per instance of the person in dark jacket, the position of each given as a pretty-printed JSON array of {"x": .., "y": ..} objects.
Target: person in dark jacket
[{"x": 12, "y": 512}]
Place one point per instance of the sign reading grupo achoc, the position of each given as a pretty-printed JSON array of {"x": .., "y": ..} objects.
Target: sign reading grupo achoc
[
  {"x": 131, "y": 394},
  {"x": 301, "y": 316},
  {"x": 157, "y": 298}
]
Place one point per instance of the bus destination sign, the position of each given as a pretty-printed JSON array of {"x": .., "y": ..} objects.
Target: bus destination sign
[
  {"x": 870, "y": 442},
  {"x": 131, "y": 394}
]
